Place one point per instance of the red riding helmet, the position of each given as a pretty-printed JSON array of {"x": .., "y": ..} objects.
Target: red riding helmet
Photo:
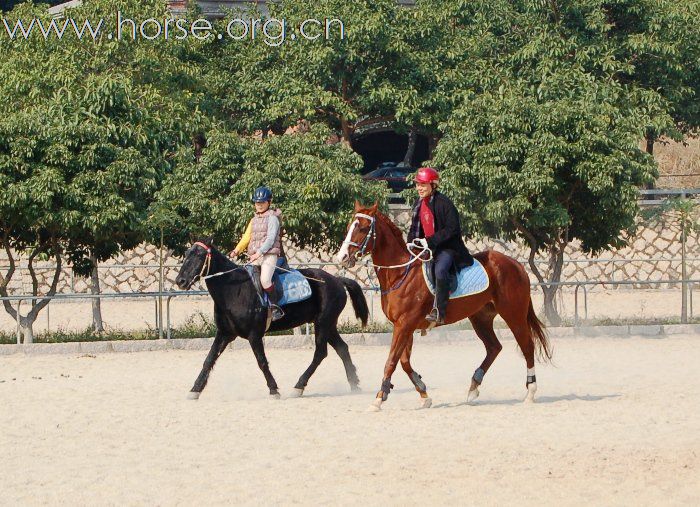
[{"x": 427, "y": 175}]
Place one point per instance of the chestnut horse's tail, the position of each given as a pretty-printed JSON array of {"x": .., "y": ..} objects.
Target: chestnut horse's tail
[{"x": 540, "y": 339}]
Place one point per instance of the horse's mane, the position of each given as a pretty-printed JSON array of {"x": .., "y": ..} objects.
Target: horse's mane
[
  {"x": 224, "y": 259},
  {"x": 393, "y": 229}
]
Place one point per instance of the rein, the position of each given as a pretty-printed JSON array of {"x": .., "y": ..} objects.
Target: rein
[
  {"x": 398, "y": 284},
  {"x": 207, "y": 266},
  {"x": 372, "y": 234}
]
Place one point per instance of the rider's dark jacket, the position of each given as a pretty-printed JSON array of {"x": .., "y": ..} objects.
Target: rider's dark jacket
[{"x": 448, "y": 232}]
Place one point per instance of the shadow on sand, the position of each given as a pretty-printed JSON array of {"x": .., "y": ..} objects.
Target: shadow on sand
[
  {"x": 540, "y": 400},
  {"x": 363, "y": 392}
]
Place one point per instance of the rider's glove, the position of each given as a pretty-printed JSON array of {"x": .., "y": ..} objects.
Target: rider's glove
[{"x": 421, "y": 242}]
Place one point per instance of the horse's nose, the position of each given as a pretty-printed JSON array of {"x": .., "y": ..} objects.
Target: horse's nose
[{"x": 180, "y": 281}]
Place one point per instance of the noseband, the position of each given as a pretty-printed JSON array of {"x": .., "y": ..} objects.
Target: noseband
[{"x": 207, "y": 262}]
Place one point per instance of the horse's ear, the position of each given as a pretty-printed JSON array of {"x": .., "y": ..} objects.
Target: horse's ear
[
  {"x": 358, "y": 206},
  {"x": 209, "y": 240},
  {"x": 375, "y": 206}
]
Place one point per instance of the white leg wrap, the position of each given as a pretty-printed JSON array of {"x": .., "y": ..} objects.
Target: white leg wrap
[{"x": 531, "y": 390}]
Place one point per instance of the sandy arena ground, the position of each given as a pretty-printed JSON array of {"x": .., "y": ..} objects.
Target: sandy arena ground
[{"x": 617, "y": 423}]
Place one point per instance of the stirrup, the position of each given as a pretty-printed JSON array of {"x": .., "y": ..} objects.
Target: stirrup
[
  {"x": 277, "y": 312},
  {"x": 434, "y": 316}
]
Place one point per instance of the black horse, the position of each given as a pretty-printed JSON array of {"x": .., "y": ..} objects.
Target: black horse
[{"x": 238, "y": 311}]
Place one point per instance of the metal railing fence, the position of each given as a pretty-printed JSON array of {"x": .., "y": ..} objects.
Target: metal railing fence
[{"x": 371, "y": 291}]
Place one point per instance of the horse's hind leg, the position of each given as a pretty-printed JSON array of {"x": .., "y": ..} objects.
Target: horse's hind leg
[
  {"x": 523, "y": 335},
  {"x": 426, "y": 401},
  {"x": 343, "y": 352},
  {"x": 256, "y": 343},
  {"x": 319, "y": 355},
  {"x": 219, "y": 345},
  {"x": 482, "y": 322}
]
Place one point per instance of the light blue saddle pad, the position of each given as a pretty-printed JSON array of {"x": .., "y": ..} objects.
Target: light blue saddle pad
[
  {"x": 294, "y": 287},
  {"x": 470, "y": 280}
]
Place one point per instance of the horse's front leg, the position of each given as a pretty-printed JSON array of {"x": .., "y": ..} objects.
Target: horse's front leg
[
  {"x": 256, "y": 343},
  {"x": 219, "y": 345},
  {"x": 426, "y": 401},
  {"x": 398, "y": 344}
]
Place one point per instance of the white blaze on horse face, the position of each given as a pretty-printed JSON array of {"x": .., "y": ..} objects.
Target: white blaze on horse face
[{"x": 343, "y": 252}]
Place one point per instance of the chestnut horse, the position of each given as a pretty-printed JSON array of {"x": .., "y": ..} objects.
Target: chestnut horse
[{"x": 406, "y": 301}]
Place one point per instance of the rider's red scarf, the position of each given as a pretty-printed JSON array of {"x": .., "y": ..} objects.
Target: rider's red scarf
[{"x": 427, "y": 220}]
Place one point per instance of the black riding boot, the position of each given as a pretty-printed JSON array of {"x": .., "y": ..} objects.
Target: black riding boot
[
  {"x": 442, "y": 296},
  {"x": 277, "y": 312}
]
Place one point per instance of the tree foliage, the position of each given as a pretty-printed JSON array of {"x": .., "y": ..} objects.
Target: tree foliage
[
  {"x": 86, "y": 132},
  {"x": 313, "y": 181},
  {"x": 660, "y": 42},
  {"x": 546, "y": 148}
]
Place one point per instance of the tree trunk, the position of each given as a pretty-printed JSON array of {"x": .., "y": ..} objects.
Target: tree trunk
[
  {"x": 347, "y": 132},
  {"x": 650, "y": 143},
  {"x": 411, "y": 149},
  {"x": 432, "y": 145},
  {"x": 550, "y": 305},
  {"x": 650, "y": 139},
  {"x": 27, "y": 331},
  {"x": 27, "y": 322},
  {"x": 97, "y": 324},
  {"x": 344, "y": 124},
  {"x": 550, "y": 286},
  {"x": 684, "y": 274},
  {"x": 556, "y": 264},
  {"x": 160, "y": 287}
]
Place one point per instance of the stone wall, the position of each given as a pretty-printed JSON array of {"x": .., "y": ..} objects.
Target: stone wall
[{"x": 655, "y": 254}]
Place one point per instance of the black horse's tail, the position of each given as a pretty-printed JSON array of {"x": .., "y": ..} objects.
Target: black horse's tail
[{"x": 359, "y": 303}]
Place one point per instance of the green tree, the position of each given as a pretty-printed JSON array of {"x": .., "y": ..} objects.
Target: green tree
[
  {"x": 314, "y": 183},
  {"x": 660, "y": 42},
  {"x": 86, "y": 133},
  {"x": 547, "y": 150},
  {"x": 337, "y": 80}
]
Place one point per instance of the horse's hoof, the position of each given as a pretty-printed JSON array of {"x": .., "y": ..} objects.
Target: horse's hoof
[
  {"x": 426, "y": 403},
  {"x": 297, "y": 393},
  {"x": 376, "y": 405},
  {"x": 275, "y": 396},
  {"x": 355, "y": 389},
  {"x": 193, "y": 395},
  {"x": 472, "y": 395},
  {"x": 531, "y": 390}
]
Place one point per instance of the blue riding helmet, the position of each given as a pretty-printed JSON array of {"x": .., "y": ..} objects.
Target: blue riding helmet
[{"x": 262, "y": 194}]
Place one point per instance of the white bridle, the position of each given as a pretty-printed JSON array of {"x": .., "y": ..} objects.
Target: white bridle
[{"x": 372, "y": 234}]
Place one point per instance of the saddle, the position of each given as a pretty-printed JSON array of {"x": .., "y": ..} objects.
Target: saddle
[
  {"x": 291, "y": 286},
  {"x": 429, "y": 271},
  {"x": 468, "y": 281}
]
